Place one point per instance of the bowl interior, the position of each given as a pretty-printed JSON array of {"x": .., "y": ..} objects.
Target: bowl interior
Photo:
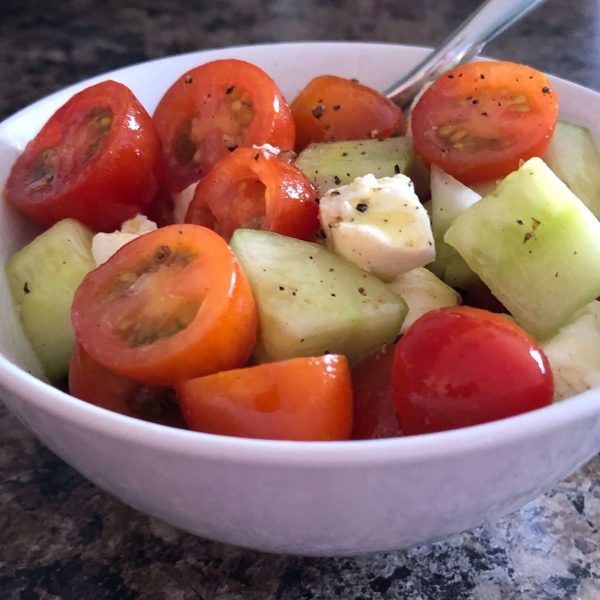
[{"x": 291, "y": 66}]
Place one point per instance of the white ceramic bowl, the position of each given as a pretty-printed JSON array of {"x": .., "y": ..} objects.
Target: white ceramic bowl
[{"x": 336, "y": 498}]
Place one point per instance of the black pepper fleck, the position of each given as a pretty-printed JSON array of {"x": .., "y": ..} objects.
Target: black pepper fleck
[
  {"x": 189, "y": 79},
  {"x": 337, "y": 180},
  {"x": 361, "y": 207},
  {"x": 26, "y": 288},
  {"x": 397, "y": 169},
  {"x": 230, "y": 89},
  {"x": 317, "y": 111}
]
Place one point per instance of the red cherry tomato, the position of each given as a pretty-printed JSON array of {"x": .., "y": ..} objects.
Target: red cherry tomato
[
  {"x": 256, "y": 189},
  {"x": 215, "y": 108},
  {"x": 161, "y": 210},
  {"x": 462, "y": 366},
  {"x": 478, "y": 121},
  {"x": 172, "y": 304},
  {"x": 90, "y": 381},
  {"x": 333, "y": 109},
  {"x": 374, "y": 412},
  {"x": 306, "y": 399},
  {"x": 97, "y": 160}
]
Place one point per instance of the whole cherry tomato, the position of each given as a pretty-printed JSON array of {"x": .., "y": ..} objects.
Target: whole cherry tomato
[
  {"x": 478, "y": 121},
  {"x": 98, "y": 160},
  {"x": 90, "y": 381},
  {"x": 333, "y": 109},
  {"x": 213, "y": 109},
  {"x": 172, "y": 304},
  {"x": 463, "y": 366},
  {"x": 256, "y": 189},
  {"x": 306, "y": 399}
]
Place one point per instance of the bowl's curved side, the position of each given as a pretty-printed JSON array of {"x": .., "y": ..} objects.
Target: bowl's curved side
[
  {"x": 321, "y": 499},
  {"x": 318, "y": 509}
]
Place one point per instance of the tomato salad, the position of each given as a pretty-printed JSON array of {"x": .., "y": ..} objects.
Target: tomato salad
[{"x": 310, "y": 293}]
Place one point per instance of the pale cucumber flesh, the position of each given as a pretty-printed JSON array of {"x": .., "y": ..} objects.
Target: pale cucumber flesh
[
  {"x": 333, "y": 164},
  {"x": 535, "y": 245},
  {"x": 574, "y": 157},
  {"x": 312, "y": 301},
  {"x": 42, "y": 278}
]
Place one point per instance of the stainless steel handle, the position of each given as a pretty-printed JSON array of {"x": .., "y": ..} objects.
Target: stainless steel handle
[{"x": 490, "y": 19}]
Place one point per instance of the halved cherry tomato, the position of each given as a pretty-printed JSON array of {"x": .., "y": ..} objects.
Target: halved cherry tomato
[
  {"x": 478, "y": 121},
  {"x": 98, "y": 160},
  {"x": 374, "y": 412},
  {"x": 90, "y": 381},
  {"x": 333, "y": 109},
  {"x": 256, "y": 189},
  {"x": 172, "y": 304},
  {"x": 461, "y": 366},
  {"x": 306, "y": 399},
  {"x": 161, "y": 209},
  {"x": 215, "y": 108}
]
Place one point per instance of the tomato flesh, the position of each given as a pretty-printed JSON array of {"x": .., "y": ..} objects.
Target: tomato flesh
[
  {"x": 307, "y": 399},
  {"x": 478, "y": 121},
  {"x": 461, "y": 366},
  {"x": 97, "y": 160},
  {"x": 374, "y": 413},
  {"x": 213, "y": 109},
  {"x": 334, "y": 109},
  {"x": 256, "y": 189},
  {"x": 170, "y": 305},
  {"x": 90, "y": 381}
]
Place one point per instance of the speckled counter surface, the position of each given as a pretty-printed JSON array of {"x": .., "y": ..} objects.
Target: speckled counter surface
[{"x": 61, "y": 537}]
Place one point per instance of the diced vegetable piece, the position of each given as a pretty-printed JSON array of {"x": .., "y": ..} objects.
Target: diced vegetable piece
[
  {"x": 332, "y": 164},
  {"x": 42, "y": 278},
  {"x": 574, "y": 157},
  {"x": 379, "y": 225},
  {"x": 449, "y": 199},
  {"x": 423, "y": 291},
  {"x": 574, "y": 354},
  {"x": 483, "y": 188},
  {"x": 312, "y": 301},
  {"x": 458, "y": 273},
  {"x": 535, "y": 245}
]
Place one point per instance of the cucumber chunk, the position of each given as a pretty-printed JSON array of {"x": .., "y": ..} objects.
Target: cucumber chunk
[
  {"x": 574, "y": 157},
  {"x": 449, "y": 199},
  {"x": 42, "y": 278},
  {"x": 332, "y": 164},
  {"x": 535, "y": 245},
  {"x": 312, "y": 301}
]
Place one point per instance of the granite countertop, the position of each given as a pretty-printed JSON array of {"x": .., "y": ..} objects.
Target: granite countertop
[{"x": 62, "y": 537}]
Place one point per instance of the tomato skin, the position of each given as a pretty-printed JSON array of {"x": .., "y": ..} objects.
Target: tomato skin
[
  {"x": 90, "y": 381},
  {"x": 302, "y": 399},
  {"x": 374, "y": 413},
  {"x": 100, "y": 177},
  {"x": 461, "y": 366},
  {"x": 172, "y": 304},
  {"x": 332, "y": 109},
  {"x": 256, "y": 189},
  {"x": 198, "y": 123},
  {"x": 505, "y": 112}
]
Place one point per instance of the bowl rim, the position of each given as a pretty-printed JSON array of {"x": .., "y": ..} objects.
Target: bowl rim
[{"x": 316, "y": 454}]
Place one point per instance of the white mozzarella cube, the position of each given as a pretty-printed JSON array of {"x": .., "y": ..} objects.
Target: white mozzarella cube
[
  {"x": 574, "y": 354},
  {"x": 423, "y": 291},
  {"x": 104, "y": 245},
  {"x": 379, "y": 225}
]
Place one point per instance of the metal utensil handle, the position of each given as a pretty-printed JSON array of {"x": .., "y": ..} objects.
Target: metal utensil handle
[{"x": 466, "y": 42}]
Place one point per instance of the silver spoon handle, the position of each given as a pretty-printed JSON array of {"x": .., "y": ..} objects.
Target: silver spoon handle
[{"x": 490, "y": 19}]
